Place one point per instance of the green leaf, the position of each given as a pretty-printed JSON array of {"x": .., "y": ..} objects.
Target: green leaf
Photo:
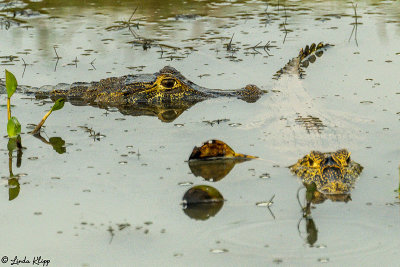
[
  {"x": 11, "y": 83},
  {"x": 58, "y": 105},
  {"x": 13, "y": 127}
]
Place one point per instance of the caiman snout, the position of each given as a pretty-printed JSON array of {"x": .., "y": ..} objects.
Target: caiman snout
[{"x": 332, "y": 181}]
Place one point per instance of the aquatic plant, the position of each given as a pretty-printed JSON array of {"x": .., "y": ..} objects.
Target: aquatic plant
[
  {"x": 59, "y": 104},
  {"x": 13, "y": 128},
  {"x": 11, "y": 86}
]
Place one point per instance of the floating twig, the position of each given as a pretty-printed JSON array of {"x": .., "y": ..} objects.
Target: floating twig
[
  {"x": 284, "y": 25},
  {"x": 24, "y": 67},
  {"x": 229, "y": 45},
  {"x": 57, "y": 56},
  {"x": 91, "y": 63}
]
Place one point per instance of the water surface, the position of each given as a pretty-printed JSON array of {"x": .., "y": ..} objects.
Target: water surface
[{"x": 114, "y": 196}]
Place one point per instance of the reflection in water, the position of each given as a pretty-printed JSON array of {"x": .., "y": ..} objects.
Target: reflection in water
[
  {"x": 311, "y": 230},
  {"x": 202, "y": 202},
  {"x": 57, "y": 143},
  {"x": 214, "y": 170},
  {"x": 13, "y": 184},
  {"x": 13, "y": 188},
  {"x": 313, "y": 196},
  {"x": 165, "y": 113}
]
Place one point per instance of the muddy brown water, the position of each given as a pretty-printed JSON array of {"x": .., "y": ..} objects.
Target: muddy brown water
[{"x": 114, "y": 197}]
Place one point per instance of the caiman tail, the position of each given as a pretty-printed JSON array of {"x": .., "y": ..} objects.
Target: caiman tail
[{"x": 306, "y": 56}]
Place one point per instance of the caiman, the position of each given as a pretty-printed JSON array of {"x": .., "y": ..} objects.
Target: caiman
[
  {"x": 332, "y": 172},
  {"x": 168, "y": 86},
  {"x": 166, "y": 93}
]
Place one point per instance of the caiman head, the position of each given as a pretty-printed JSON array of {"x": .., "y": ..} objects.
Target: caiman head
[
  {"x": 332, "y": 172},
  {"x": 169, "y": 86}
]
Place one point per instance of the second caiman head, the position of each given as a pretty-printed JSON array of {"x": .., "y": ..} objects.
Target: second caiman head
[{"x": 332, "y": 172}]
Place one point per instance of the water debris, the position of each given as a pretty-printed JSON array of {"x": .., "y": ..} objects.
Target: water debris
[
  {"x": 218, "y": 121},
  {"x": 92, "y": 133},
  {"x": 267, "y": 204},
  {"x": 265, "y": 176},
  {"x": 235, "y": 124},
  {"x": 185, "y": 184},
  {"x": 323, "y": 260},
  {"x": 218, "y": 250},
  {"x": 229, "y": 45},
  {"x": 265, "y": 47}
]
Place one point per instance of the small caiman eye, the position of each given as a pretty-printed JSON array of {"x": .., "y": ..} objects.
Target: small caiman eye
[{"x": 168, "y": 83}]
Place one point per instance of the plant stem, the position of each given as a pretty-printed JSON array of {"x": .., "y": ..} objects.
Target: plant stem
[
  {"x": 37, "y": 129},
  {"x": 8, "y": 108}
]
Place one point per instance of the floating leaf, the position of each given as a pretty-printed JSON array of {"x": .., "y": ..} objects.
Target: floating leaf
[
  {"x": 59, "y": 104},
  {"x": 11, "y": 83},
  {"x": 13, "y": 127},
  {"x": 215, "y": 149}
]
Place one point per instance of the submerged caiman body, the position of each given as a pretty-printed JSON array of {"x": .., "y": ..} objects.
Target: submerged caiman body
[{"x": 166, "y": 93}]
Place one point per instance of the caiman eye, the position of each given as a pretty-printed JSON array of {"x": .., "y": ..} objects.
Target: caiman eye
[
  {"x": 168, "y": 83},
  {"x": 310, "y": 161}
]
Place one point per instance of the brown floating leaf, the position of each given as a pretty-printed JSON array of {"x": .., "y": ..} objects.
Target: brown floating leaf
[{"x": 216, "y": 149}]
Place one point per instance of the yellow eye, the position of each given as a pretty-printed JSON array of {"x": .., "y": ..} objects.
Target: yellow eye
[{"x": 168, "y": 83}]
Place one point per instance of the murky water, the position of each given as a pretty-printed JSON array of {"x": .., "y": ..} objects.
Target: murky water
[{"x": 114, "y": 197}]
